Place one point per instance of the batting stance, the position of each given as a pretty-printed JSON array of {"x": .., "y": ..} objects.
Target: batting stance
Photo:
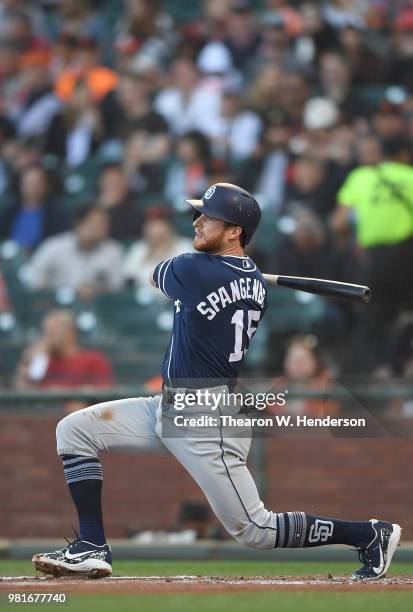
[{"x": 220, "y": 298}]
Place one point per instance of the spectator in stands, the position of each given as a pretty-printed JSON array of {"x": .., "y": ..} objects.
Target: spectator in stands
[
  {"x": 336, "y": 84},
  {"x": 275, "y": 47},
  {"x": 367, "y": 61},
  {"x": 151, "y": 29},
  {"x": 185, "y": 104},
  {"x": 209, "y": 23},
  {"x": 378, "y": 199},
  {"x": 341, "y": 13},
  {"x": 290, "y": 15},
  {"x": 35, "y": 215},
  {"x": 313, "y": 35},
  {"x": 266, "y": 170},
  {"x": 57, "y": 361},
  {"x": 243, "y": 36},
  {"x": 264, "y": 89},
  {"x": 37, "y": 104},
  {"x": 9, "y": 73},
  {"x": 310, "y": 187},
  {"x": 37, "y": 17},
  {"x": 87, "y": 67},
  {"x": 144, "y": 161},
  {"x": 188, "y": 175},
  {"x": 320, "y": 116},
  {"x": 294, "y": 92},
  {"x": 65, "y": 52},
  {"x": 305, "y": 366},
  {"x": 328, "y": 139},
  {"x": 128, "y": 116},
  {"x": 309, "y": 250},
  {"x": 18, "y": 154},
  {"x": 32, "y": 48},
  {"x": 389, "y": 118},
  {"x": 83, "y": 18},
  {"x": 369, "y": 151},
  {"x": 215, "y": 64},
  {"x": 115, "y": 196},
  {"x": 238, "y": 129},
  {"x": 159, "y": 242},
  {"x": 75, "y": 133},
  {"x": 128, "y": 109},
  {"x": 85, "y": 259}
]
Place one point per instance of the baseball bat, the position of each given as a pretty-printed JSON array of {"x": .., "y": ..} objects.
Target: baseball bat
[{"x": 328, "y": 288}]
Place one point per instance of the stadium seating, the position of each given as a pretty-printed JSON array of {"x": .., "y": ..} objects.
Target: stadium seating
[{"x": 121, "y": 314}]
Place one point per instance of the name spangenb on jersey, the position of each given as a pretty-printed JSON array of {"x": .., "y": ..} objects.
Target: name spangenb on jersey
[
  {"x": 237, "y": 290},
  {"x": 219, "y": 303}
]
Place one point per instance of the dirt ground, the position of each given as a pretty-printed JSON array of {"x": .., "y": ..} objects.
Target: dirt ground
[{"x": 199, "y": 584}]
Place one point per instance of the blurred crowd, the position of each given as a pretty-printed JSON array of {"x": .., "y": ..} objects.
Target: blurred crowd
[{"x": 111, "y": 113}]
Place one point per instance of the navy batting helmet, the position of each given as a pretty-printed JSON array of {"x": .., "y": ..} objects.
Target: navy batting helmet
[{"x": 232, "y": 204}]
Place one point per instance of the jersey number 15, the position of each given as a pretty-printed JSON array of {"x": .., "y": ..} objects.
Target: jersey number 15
[{"x": 253, "y": 316}]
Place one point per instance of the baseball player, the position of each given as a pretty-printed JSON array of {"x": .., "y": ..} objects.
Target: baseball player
[{"x": 219, "y": 297}]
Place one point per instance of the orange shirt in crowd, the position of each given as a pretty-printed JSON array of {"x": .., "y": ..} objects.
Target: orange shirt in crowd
[{"x": 99, "y": 80}]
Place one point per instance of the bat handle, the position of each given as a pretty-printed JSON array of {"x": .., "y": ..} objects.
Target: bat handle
[{"x": 272, "y": 279}]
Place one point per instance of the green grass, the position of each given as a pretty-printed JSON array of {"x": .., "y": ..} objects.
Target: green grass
[
  {"x": 277, "y": 601},
  {"x": 15, "y": 567}
]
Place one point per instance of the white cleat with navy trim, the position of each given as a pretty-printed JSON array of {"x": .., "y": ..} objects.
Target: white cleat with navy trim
[{"x": 80, "y": 557}]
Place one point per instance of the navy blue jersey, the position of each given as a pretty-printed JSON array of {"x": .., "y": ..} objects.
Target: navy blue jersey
[{"x": 219, "y": 302}]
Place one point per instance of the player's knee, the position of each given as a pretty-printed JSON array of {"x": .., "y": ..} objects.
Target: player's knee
[
  {"x": 72, "y": 435},
  {"x": 65, "y": 429},
  {"x": 62, "y": 427},
  {"x": 68, "y": 422},
  {"x": 254, "y": 537}
]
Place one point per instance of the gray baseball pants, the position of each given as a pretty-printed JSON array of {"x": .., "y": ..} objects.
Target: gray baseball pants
[{"x": 217, "y": 463}]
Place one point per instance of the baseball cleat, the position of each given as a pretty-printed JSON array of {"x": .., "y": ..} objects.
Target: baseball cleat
[
  {"x": 80, "y": 558},
  {"x": 376, "y": 556}
]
